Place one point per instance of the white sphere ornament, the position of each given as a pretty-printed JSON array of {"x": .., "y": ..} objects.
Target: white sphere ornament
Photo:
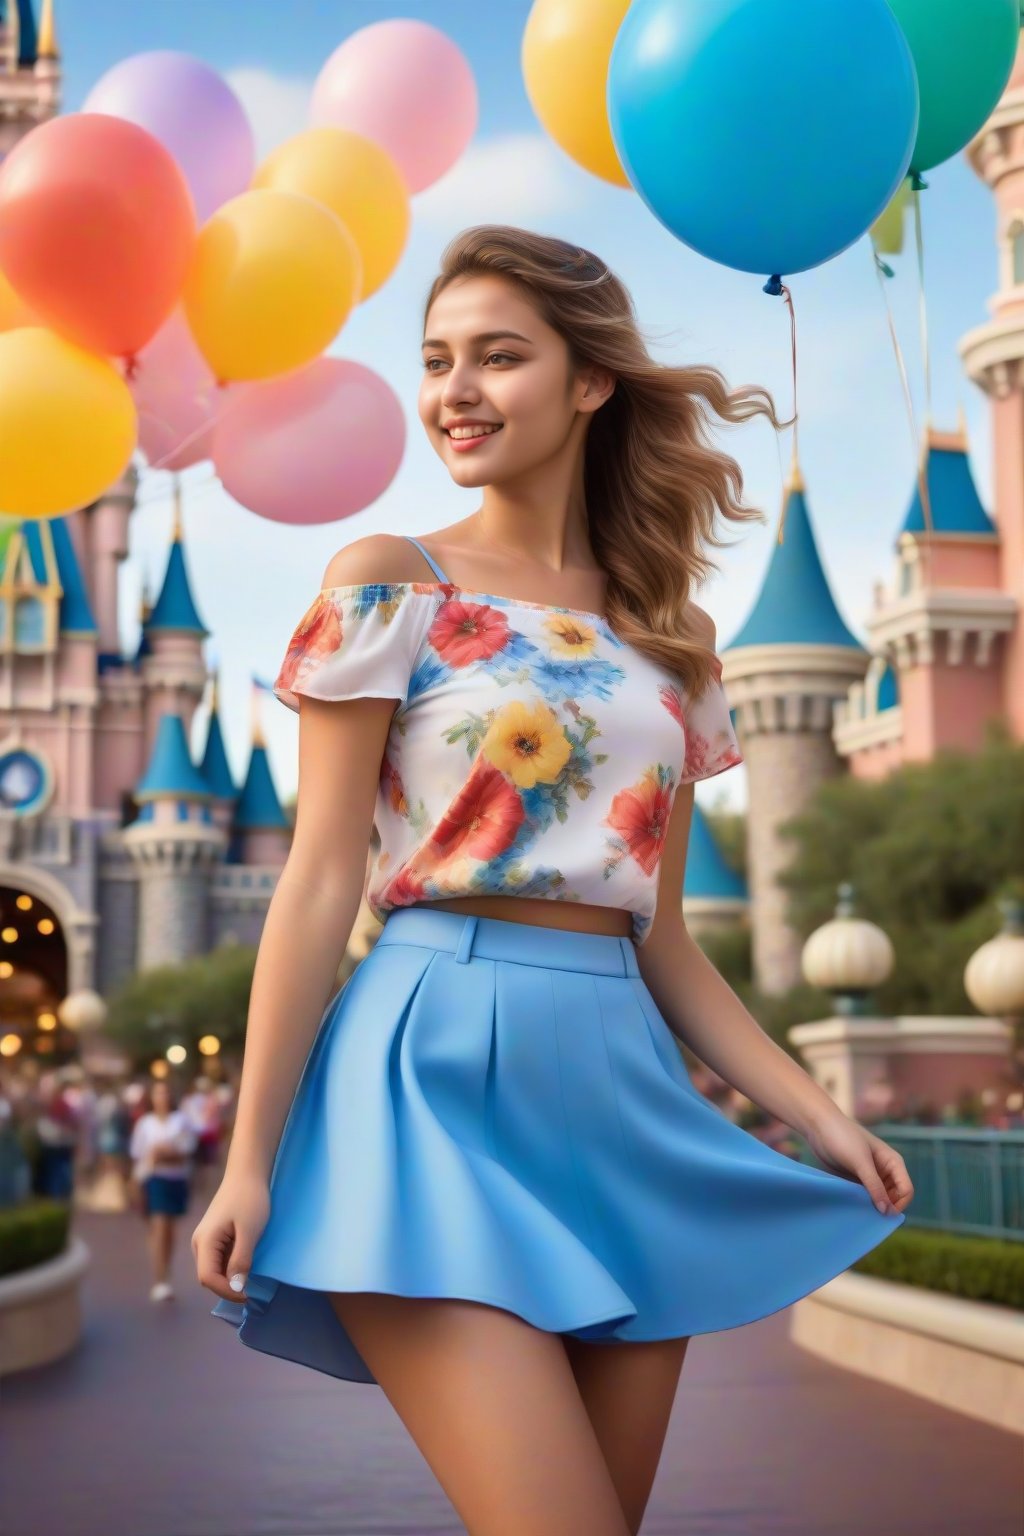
[
  {"x": 83, "y": 1010},
  {"x": 848, "y": 954},
  {"x": 994, "y": 975}
]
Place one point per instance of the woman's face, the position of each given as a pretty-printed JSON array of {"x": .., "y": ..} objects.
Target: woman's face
[
  {"x": 519, "y": 383},
  {"x": 161, "y": 1096}
]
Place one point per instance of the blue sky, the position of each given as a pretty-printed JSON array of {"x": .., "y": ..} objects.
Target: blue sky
[{"x": 253, "y": 579}]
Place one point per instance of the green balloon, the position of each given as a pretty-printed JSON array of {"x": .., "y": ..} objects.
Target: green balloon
[{"x": 963, "y": 52}]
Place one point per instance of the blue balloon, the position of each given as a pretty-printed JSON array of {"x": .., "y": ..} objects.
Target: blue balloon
[{"x": 766, "y": 134}]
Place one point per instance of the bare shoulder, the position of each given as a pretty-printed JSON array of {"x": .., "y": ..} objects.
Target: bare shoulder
[
  {"x": 375, "y": 557},
  {"x": 703, "y": 623}
]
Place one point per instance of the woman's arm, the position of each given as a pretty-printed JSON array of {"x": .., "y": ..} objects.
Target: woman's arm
[
  {"x": 310, "y": 916},
  {"x": 703, "y": 1010}
]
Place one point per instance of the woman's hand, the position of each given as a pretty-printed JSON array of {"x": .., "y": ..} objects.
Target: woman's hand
[
  {"x": 223, "y": 1242},
  {"x": 846, "y": 1148}
]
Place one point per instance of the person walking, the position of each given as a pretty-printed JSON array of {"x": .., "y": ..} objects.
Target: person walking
[
  {"x": 162, "y": 1144},
  {"x": 479, "y": 1175}
]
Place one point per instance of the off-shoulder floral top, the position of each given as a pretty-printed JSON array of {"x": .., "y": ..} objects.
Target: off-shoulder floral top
[{"x": 532, "y": 753}]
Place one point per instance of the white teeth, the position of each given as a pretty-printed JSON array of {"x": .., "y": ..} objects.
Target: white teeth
[{"x": 460, "y": 432}]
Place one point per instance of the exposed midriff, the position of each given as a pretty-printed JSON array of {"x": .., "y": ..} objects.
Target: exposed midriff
[{"x": 579, "y": 917}]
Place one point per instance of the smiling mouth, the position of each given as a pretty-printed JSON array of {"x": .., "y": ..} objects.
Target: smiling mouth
[{"x": 488, "y": 431}]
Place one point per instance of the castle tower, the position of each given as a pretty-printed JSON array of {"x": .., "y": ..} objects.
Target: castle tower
[
  {"x": 993, "y": 356},
  {"x": 175, "y": 846},
  {"x": 30, "y": 74},
  {"x": 262, "y": 831},
  {"x": 714, "y": 894},
  {"x": 215, "y": 768},
  {"x": 784, "y": 671},
  {"x": 936, "y": 673},
  {"x": 173, "y": 669}
]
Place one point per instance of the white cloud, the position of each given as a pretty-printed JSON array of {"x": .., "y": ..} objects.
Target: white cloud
[
  {"x": 513, "y": 178},
  {"x": 277, "y": 106}
]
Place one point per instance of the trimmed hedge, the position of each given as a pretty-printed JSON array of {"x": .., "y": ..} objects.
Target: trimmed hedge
[
  {"x": 976, "y": 1268},
  {"x": 32, "y": 1232}
]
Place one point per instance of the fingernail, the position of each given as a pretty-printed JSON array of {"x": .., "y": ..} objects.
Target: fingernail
[
  {"x": 880, "y": 1203},
  {"x": 237, "y": 1282}
]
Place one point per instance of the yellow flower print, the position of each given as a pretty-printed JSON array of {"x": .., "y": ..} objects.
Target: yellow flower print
[
  {"x": 527, "y": 743},
  {"x": 569, "y": 635}
]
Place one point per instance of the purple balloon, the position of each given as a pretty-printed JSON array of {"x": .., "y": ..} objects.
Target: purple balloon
[{"x": 193, "y": 112}]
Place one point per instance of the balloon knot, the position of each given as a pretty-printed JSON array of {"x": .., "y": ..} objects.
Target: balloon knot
[
  {"x": 917, "y": 182},
  {"x": 774, "y": 285},
  {"x": 884, "y": 266},
  {"x": 131, "y": 366}
]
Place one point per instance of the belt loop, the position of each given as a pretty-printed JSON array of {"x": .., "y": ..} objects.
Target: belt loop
[
  {"x": 629, "y": 956},
  {"x": 465, "y": 947}
]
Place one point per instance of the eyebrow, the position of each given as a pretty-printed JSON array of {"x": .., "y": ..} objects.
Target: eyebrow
[{"x": 435, "y": 341}]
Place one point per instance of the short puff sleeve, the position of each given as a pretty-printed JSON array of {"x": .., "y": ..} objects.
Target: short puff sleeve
[
  {"x": 711, "y": 742},
  {"x": 353, "y": 642}
]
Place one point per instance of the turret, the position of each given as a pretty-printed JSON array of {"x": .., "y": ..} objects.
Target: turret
[
  {"x": 714, "y": 894},
  {"x": 173, "y": 667},
  {"x": 175, "y": 846},
  {"x": 784, "y": 671},
  {"x": 262, "y": 831},
  {"x": 935, "y": 636},
  {"x": 215, "y": 768},
  {"x": 993, "y": 355}
]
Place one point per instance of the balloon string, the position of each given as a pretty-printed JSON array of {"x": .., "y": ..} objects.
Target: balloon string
[
  {"x": 202, "y": 398},
  {"x": 775, "y": 286},
  {"x": 917, "y": 183}
]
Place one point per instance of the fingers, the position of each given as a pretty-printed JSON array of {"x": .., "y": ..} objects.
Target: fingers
[
  {"x": 210, "y": 1247},
  {"x": 894, "y": 1173}
]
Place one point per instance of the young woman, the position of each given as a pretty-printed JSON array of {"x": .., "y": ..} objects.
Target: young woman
[
  {"x": 162, "y": 1145},
  {"x": 482, "y": 1177}
]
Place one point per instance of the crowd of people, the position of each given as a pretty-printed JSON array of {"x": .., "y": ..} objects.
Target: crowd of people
[{"x": 146, "y": 1145}]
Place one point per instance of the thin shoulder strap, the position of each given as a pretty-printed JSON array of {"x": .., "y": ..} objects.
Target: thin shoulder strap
[{"x": 428, "y": 558}]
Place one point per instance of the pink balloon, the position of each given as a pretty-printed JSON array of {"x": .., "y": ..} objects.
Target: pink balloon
[
  {"x": 406, "y": 85},
  {"x": 312, "y": 446},
  {"x": 177, "y": 398}
]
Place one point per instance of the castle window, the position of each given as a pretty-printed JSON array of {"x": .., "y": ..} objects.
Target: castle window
[{"x": 29, "y": 624}]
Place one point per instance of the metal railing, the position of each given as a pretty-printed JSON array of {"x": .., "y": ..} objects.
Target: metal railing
[{"x": 965, "y": 1179}]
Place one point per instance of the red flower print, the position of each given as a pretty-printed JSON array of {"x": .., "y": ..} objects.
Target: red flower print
[
  {"x": 317, "y": 635},
  {"x": 482, "y": 820},
  {"x": 640, "y": 816},
  {"x": 404, "y": 888},
  {"x": 463, "y": 633},
  {"x": 672, "y": 701}
]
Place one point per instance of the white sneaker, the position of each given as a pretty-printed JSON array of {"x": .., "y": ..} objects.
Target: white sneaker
[{"x": 161, "y": 1291}]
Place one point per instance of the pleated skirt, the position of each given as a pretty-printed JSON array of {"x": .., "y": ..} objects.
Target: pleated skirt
[{"x": 498, "y": 1111}]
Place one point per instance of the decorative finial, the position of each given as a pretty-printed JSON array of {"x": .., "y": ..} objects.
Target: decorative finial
[
  {"x": 213, "y": 691},
  {"x": 176, "y": 535},
  {"x": 796, "y": 479},
  {"x": 258, "y": 739},
  {"x": 46, "y": 47}
]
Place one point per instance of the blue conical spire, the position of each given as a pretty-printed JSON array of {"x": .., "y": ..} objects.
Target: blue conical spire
[
  {"x": 52, "y": 557},
  {"x": 952, "y": 494},
  {"x": 174, "y": 608},
  {"x": 795, "y": 605},
  {"x": 214, "y": 766},
  {"x": 258, "y": 805},
  {"x": 171, "y": 770},
  {"x": 707, "y": 874}
]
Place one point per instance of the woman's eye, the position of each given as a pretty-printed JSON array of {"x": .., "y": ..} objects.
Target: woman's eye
[{"x": 428, "y": 362}]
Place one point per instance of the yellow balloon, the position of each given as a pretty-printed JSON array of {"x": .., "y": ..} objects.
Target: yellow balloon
[
  {"x": 273, "y": 277},
  {"x": 567, "y": 47},
  {"x": 68, "y": 425},
  {"x": 13, "y": 312},
  {"x": 357, "y": 180}
]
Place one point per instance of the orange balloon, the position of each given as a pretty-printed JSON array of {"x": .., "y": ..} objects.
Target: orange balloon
[{"x": 97, "y": 229}]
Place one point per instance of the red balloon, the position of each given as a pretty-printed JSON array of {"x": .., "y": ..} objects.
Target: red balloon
[{"x": 97, "y": 229}]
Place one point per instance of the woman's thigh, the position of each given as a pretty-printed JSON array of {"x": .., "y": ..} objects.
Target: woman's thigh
[
  {"x": 493, "y": 1406},
  {"x": 628, "y": 1391}
]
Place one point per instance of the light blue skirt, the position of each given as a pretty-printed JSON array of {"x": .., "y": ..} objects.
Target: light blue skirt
[{"x": 498, "y": 1111}]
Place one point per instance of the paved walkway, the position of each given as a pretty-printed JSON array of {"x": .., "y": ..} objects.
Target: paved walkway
[{"x": 163, "y": 1424}]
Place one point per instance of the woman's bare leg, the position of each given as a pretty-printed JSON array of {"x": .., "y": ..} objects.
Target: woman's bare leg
[
  {"x": 628, "y": 1391},
  {"x": 493, "y": 1407}
]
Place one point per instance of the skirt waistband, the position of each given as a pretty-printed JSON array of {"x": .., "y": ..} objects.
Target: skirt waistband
[{"x": 497, "y": 938}]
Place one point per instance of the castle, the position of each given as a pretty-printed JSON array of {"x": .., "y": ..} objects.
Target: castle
[
  {"x": 127, "y": 853},
  {"x": 117, "y": 850}
]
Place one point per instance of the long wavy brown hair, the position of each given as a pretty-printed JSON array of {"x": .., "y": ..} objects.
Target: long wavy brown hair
[{"x": 652, "y": 481}]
